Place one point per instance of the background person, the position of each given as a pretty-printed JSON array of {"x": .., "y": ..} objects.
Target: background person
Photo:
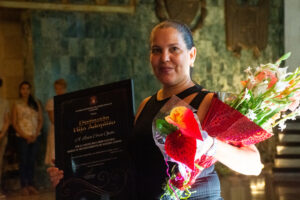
[
  {"x": 27, "y": 120},
  {"x": 60, "y": 87},
  {"x": 4, "y": 124}
]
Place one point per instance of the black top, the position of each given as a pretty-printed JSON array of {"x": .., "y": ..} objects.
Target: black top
[{"x": 149, "y": 162}]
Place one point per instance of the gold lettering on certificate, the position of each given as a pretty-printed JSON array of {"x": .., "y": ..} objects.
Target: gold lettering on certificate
[{"x": 97, "y": 123}]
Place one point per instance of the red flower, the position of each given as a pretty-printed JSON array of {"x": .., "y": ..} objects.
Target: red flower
[
  {"x": 184, "y": 119},
  {"x": 204, "y": 162},
  {"x": 181, "y": 148},
  {"x": 178, "y": 182}
]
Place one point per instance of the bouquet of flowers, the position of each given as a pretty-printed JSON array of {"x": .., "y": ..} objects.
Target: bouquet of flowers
[
  {"x": 178, "y": 134},
  {"x": 243, "y": 120},
  {"x": 268, "y": 92}
]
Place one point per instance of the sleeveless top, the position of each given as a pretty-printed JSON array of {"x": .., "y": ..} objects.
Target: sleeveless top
[
  {"x": 150, "y": 166},
  {"x": 27, "y": 118}
]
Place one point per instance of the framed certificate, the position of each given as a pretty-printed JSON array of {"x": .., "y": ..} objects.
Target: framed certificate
[{"x": 92, "y": 128}]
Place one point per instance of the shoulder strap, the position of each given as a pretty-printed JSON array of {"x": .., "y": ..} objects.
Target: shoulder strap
[
  {"x": 195, "y": 103},
  {"x": 182, "y": 95},
  {"x": 189, "y": 91}
]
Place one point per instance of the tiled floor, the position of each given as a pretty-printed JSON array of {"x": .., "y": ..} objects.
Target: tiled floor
[
  {"x": 263, "y": 187},
  {"x": 238, "y": 187}
]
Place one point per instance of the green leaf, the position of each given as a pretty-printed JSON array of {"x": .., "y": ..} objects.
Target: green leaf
[
  {"x": 164, "y": 127},
  {"x": 267, "y": 116},
  {"x": 284, "y": 57}
]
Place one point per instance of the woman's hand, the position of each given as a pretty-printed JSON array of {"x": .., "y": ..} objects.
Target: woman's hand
[{"x": 55, "y": 175}]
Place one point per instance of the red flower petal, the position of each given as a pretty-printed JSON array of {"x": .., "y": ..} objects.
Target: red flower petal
[
  {"x": 204, "y": 162},
  {"x": 184, "y": 119},
  {"x": 181, "y": 148},
  {"x": 178, "y": 182}
]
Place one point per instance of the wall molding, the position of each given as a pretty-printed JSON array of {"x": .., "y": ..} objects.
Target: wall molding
[{"x": 67, "y": 6}]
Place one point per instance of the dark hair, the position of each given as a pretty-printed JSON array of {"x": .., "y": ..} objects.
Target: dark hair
[
  {"x": 31, "y": 102},
  {"x": 180, "y": 27},
  {"x": 61, "y": 82}
]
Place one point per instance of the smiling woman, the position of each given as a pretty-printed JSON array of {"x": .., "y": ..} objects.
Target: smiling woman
[{"x": 171, "y": 56}]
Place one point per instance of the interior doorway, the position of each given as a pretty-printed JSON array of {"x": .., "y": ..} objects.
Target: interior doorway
[{"x": 16, "y": 62}]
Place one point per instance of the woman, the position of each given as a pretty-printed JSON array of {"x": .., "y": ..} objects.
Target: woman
[
  {"x": 60, "y": 87},
  {"x": 27, "y": 121},
  {"x": 172, "y": 55}
]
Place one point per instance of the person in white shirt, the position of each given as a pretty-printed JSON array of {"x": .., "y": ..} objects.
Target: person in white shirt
[
  {"x": 4, "y": 124},
  {"x": 27, "y": 120}
]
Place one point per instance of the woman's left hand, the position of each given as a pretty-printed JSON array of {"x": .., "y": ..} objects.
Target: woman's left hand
[{"x": 245, "y": 160}]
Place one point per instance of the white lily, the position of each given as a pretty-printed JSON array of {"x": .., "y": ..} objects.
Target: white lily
[
  {"x": 258, "y": 69},
  {"x": 251, "y": 115},
  {"x": 248, "y": 70},
  {"x": 247, "y": 95},
  {"x": 282, "y": 73},
  {"x": 281, "y": 85}
]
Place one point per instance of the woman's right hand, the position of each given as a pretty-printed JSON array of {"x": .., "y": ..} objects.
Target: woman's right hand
[{"x": 55, "y": 175}]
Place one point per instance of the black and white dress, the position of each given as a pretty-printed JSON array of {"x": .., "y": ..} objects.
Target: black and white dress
[{"x": 150, "y": 172}]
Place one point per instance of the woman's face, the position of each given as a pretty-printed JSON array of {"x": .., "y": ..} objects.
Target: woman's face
[
  {"x": 169, "y": 57},
  {"x": 25, "y": 91},
  {"x": 59, "y": 89}
]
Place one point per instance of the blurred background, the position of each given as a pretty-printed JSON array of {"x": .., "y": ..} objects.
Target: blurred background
[{"x": 94, "y": 42}]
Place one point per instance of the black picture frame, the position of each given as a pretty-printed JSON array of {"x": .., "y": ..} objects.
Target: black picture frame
[{"x": 92, "y": 127}]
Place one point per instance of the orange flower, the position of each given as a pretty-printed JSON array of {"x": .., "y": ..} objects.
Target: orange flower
[
  {"x": 184, "y": 119},
  {"x": 285, "y": 92},
  {"x": 244, "y": 83}
]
